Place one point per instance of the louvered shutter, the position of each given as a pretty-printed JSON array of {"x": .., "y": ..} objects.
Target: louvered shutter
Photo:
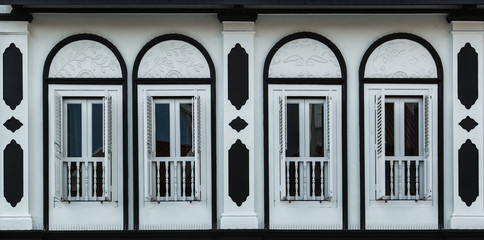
[
  {"x": 196, "y": 138},
  {"x": 108, "y": 144},
  {"x": 427, "y": 102},
  {"x": 58, "y": 147},
  {"x": 329, "y": 144},
  {"x": 148, "y": 145},
  {"x": 380, "y": 144},
  {"x": 284, "y": 183}
]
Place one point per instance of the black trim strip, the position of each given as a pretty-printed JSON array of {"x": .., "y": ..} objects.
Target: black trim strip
[
  {"x": 18, "y": 13},
  {"x": 87, "y": 81},
  {"x": 237, "y": 2},
  {"x": 440, "y": 86},
  {"x": 320, "y": 81},
  {"x": 262, "y": 234},
  {"x": 173, "y": 81}
]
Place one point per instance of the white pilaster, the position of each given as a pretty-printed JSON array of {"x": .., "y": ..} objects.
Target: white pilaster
[
  {"x": 463, "y": 216},
  {"x": 233, "y": 216}
]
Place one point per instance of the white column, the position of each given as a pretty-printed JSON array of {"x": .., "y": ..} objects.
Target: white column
[
  {"x": 464, "y": 216},
  {"x": 233, "y": 216}
]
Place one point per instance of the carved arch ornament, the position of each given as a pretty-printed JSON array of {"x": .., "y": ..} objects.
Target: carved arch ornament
[
  {"x": 401, "y": 56},
  {"x": 305, "y": 55},
  {"x": 84, "y": 56},
  {"x": 173, "y": 56}
]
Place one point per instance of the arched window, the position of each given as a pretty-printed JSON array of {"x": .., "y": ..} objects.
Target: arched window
[
  {"x": 401, "y": 77},
  {"x": 304, "y": 81},
  {"x": 174, "y": 103},
  {"x": 84, "y": 85}
]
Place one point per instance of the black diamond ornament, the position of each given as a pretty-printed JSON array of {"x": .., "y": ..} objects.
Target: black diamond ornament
[
  {"x": 468, "y": 123},
  {"x": 13, "y": 124},
  {"x": 238, "y": 124}
]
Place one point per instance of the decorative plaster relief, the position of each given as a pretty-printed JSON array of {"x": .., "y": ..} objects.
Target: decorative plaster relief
[
  {"x": 13, "y": 124},
  {"x": 467, "y": 76},
  {"x": 238, "y": 76},
  {"x": 13, "y": 177},
  {"x": 468, "y": 172},
  {"x": 173, "y": 59},
  {"x": 85, "y": 59},
  {"x": 238, "y": 172},
  {"x": 400, "y": 58},
  {"x": 304, "y": 58},
  {"x": 238, "y": 124},
  {"x": 12, "y": 76}
]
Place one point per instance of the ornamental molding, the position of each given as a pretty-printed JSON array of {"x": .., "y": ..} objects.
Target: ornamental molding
[
  {"x": 85, "y": 59},
  {"x": 400, "y": 58},
  {"x": 304, "y": 58},
  {"x": 173, "y": 59}
]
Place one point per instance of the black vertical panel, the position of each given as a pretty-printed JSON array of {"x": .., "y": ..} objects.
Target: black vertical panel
[
  {"x": 12, "y": 76},
  {"x": 13, "y": 178},
  {"x": 238, "y": 74},
  {"x": 467, "y": 90},
  {"x": 238, "y": 172},
  {"x": 468, "y": 172}
]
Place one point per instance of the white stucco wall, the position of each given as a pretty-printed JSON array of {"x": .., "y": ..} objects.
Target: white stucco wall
[{"x": 352, "y": 34}]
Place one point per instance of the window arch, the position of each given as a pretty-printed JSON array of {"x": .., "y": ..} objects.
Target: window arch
[
  {"x": 174, "y": 95},
  {"x": 84, "y": 122},
  {"x": 305, "y": 111},
  {"x": 401, "y": 131}
]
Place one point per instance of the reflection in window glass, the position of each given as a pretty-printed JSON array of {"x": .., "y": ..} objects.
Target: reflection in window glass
[
  {"x": 292, "y": 130},
  {"x": 162, "y": 123},
  {"x": 186, "y": 130},
  {"x": 74, "y": 130},
  {"x": 411, "y": 129},
  {"x": 389, "y": 129},
  {"x": 97, "y": 130},
  {"x": 316, "y": 130}
]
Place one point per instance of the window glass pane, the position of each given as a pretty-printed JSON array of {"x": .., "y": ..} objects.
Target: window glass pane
[
  {"x": 162, "y": 124},
  {"x": 97, "y": 130},
  {"x": 292, "y": 130},
  {"x": 411, "y": 129},
  {"x": 389, "y": 129},
  {"x": 74, "y": 130},
  {"x": 186, "y": 129},
  {"x": 316, "y": 130}
]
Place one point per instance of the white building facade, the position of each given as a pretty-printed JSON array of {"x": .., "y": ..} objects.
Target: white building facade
[{"x": 241, "y": 119}]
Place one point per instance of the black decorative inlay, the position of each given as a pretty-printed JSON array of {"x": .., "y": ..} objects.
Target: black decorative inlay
[
  {"x": 238, "y": 73},
  {"x": 468, "y": 123},
  {"x": 238, "y": 172},
  {"x": 12, "y": 76},
  {"x": 467, "y": 81},
  {"x": 13, "y": 124},
  {"x": 238, "y": 124},
  {"x": 468, "y": 172},
  {"x": 13, "y": 177}
]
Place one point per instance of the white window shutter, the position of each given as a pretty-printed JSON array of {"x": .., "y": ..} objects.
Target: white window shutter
[
  {"x": 427, "y": 102},
  {"x": 196, "y": 137},
  {"x": 329, "y": 144},
  {"x": 148, "y": 144},
  {"x": 58, "y": 147},
  {"x": 284, "y": 183},
  {"x": 380, "y": 145},
  {"x": 108, "y": 144}
]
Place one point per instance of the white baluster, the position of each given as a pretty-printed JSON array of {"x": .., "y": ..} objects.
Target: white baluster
[
  {"x": 322, "y": 180},
  {"x": 167, "y": 180},
  {"x": 78, "y": 180},
  {"x": 305, "y": 176},
  {"x": 175, "y": 194},
  {"x": 158, "y": 181},
  {"x": 408, "y": 179},
  {"x": 183, "y": 181},
  {"x": 94, "y": 165},
  {"x": 86, "y": 180},
  {"x": 288, "y": 185},
  {"x": 391, "y": 179},
  {"x": 104, "y": 179},
  {"x": 69, "y": 181},
  {"x": 313, "y": 181},
  {"x": 296, "y": 163},
  {"x": 401, "y": 189},
  {"x": 192, "y": 179},
  {"x": 417, "y": 195}
]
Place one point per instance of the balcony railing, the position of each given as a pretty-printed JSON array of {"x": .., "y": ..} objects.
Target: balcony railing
[{"x": 306, "y": 179}]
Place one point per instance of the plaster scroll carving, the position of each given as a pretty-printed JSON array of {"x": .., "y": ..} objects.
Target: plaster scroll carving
[
  {"x": 304, "y": 58},
  {"x": 173, "y": 59},
  {"x": 85, "y": 59},
  {"x": 401, "y": 58}
]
